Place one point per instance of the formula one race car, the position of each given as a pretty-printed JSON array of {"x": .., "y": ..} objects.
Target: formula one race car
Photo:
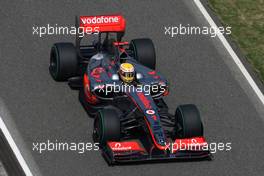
[{"x": 119, "y": 87}]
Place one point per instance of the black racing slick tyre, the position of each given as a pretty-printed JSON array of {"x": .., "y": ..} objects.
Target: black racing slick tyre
[
  {"x": 63, "y": 61},
  {"x": 107, "y": 125},
  {"x": 144, "y": 52},
  {"x": 188, "y": 121}
]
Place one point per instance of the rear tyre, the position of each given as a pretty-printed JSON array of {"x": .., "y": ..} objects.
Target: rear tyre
[
  {"x": 107, "y": 125},
  {"x": 188, "y": 123},
  {"x": 63, "y": 61},
  {"x": 144, "y": 52}
]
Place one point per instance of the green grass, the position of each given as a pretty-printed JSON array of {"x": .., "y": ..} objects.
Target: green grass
[{"x": 246, "y": 17}]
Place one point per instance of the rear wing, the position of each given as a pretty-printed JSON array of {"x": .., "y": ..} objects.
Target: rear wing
[
  {"x": 97, "y": 25},
  {"x": 102, "y": 23}
]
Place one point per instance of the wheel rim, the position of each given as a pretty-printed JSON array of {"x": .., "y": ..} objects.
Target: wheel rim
[
  {"x": 53, "y": 62},
  {"x": 95, "y": 131},
  {"x": 180, "y": 127},
  {"x": 97, "y": 134},
  {"x": 180, "y": 131}
]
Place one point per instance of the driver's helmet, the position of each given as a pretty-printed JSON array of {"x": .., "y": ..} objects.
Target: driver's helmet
[{"x": 127, "y": 72}]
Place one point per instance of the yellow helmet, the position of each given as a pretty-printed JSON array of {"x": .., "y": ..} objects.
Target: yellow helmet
[{"x": 127, "y": 72}]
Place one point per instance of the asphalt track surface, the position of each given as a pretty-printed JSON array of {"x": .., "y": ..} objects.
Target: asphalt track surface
[
  {"x": 2, "y": 170},
  {"x": 198, "y": 67}
]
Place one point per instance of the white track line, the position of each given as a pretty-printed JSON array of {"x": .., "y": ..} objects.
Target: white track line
[
  {"x": 231, "y": 52},
  {"x": 15, "y": 149}
]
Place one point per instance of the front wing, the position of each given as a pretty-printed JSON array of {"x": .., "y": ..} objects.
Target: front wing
[{"x": 134, "y": 151}]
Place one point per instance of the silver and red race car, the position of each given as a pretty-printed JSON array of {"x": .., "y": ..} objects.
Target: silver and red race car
[{"x": 120, "y": 88}]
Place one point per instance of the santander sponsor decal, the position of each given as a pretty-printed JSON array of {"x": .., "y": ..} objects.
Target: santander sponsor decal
[
  {"x": 189, "y": 144},
  {"x": 150, "y": 112},
  {"x": 125, "y": 146},
  {"x": 118, "y": 146}
]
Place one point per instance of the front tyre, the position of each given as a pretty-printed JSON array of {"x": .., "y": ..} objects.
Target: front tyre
[
  {"x": 188, "y": 123},
  {"x": 63, "y": 61},
  {"x": 107, "y": 125}
]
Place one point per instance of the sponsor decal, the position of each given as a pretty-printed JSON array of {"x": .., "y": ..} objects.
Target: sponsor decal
[
  {"x": 103, "y": 23},
  {"x": 154, "y": 117},
  {"x": 150, "y": 111},
  {"x": 144, "y": 100},
  {"x": 189, "y": 144},
  {"x": 100, "y": 20},
  {"x": 118, "y": 146},
  {"x": 125, "y": 146}
]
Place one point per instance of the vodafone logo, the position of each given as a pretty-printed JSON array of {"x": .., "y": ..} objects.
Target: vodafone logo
[
  {"x": 100, "y": 20},
  {"x": 103, "y": 23},
  {"x": 150, "y": 112}
]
